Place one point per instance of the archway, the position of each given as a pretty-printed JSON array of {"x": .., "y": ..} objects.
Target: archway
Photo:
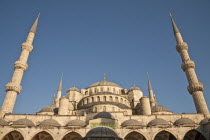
[
  {"x": 13, "y": 135},
  {"x": 194, "y": 135},
  {"x": 72, "y": 136},
  {"x": 134, "y": 136},
  {"x": 42, "y": 136},
  {"x": 164, "y": 135}
]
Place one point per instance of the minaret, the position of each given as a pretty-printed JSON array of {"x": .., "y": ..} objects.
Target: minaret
[
  {"x": 58, "y": 96},
  {"x": 195, "y": 88},
  {"x": 151, "y": 94},
  {"x": 13, "y": 88},
  {"x": 104, "y": 76}
]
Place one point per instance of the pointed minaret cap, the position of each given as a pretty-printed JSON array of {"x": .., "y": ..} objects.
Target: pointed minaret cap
[
  {"x": 149, "y": 83},
  {"x": 104, "y": 76},
  {"x": 60, "y": 84},
  {"x": 175, "y": 28},
  {"x": 34, "y": 26}
]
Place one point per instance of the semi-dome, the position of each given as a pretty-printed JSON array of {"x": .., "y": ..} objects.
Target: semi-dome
[
  {"x": 3, "y": 123},
  {"x": 106, "y": 115},
  {"x": 204, "y": 121},
  {"x": 159, "y": 122},
  {"x": 101, "y": 132},
  {"x": 132, "y": 123},
  {"x": 76, "y": 123},
  {"x": 49, "y": 122},
  {"x": 104, "y": 83},
  {"x": 184, "y": 122},
  {"x": 159, "y": 108},
  {"x": 24, "y": 122}
]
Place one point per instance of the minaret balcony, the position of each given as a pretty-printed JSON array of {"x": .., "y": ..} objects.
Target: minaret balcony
[
  {"x": 195, "y": 87},
  {"x": 182, "y": 46},
  {"x": 20, "y": 65},
  {"x": 188, "y": 64},
  {"x": 27, "y": 46},
  {"x": 13, "y": 87}
]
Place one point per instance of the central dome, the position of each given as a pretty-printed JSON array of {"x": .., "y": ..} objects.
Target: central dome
[{"x": 104, "y": 83}]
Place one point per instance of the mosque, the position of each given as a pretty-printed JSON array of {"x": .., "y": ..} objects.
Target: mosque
[{"x": 104, "y": 110}]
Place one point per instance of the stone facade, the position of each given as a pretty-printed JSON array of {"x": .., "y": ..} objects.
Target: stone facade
[{"x": 104, "y": 110}]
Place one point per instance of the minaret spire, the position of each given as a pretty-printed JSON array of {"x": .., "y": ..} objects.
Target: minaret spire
[
  {"x": 34, "y": 26},
  {"x": 151, "y": 94},
  {"x": 13, "y": 88},
  {"x": 195, "y": 88},
  {"x": 59, "y": 92}
]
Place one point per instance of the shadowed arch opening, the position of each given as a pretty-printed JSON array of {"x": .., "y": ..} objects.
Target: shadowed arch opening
[
  {"x": 13, "y": 135},
  {"x": 194, "y": 135},
  {"x": 72, "y": 136},
  {"x": 134, "y": 136},
  {"x": 42, "y": 136},
  {"x": 164, "y": 135}
]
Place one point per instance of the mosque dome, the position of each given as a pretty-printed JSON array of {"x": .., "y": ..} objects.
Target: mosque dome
[
  {"x": 74, "y": 89},
  {"x": 3, "y": 123},
  {"x": 158, "y": 122},
  {"x": 134, "y": 88},
  {"x": 131, "y": 122},
  {"x": 184, "y": 121},
  {"x": 159, "y": 108},
  {"x": 101, "y": 132},
  {"x": 25, "y": 122},
  {"x": 49, "y": 108},
  {"x": 204, "y": 121},
  {"x": 106, "y": 115},
  {"x": 104, "y": 83},
  {"x": 49, "y": 122},
  {"x": 76, "y": 123}
]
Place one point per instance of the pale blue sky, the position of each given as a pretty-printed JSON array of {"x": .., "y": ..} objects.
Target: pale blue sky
[{"x": 85, "y": 38}]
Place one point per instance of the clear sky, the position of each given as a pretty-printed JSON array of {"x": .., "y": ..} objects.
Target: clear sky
[{"x": 123, "y": 38}]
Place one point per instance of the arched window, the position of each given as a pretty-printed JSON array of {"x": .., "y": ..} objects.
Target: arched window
[
  {"x": 104, "y": 98},
  {"x": 98, "y": 98},
  {"x": 87, "y": 100},
  {"x": 95, "y": 90},
  {"x": 108, "y": 89},
  {"x": 72, "y": 136},
  {"x": 113, "y": 109},
  {"x": 110, "y": 99},
  {"x": 114, "y": 90},
  {"x": 95, "y": 109},
  {"x": 44, "y": 135},
  {"x": 104, "y": 108},
  {"x": 13, "y": 135},
  {"x": 92, "y": 99},
  {"x": 121, "y": 100},
  {"x": 119, "y": 91},
  {"x": 116, "y": 99},
  {"x": 134, "y": 136},
  {"x": 102, "y": 89},
  {"x": 165, "y": 135}
]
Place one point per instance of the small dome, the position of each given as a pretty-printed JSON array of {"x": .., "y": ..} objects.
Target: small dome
[
  {"x": 131, "y": 122},
  {"x": 76, "y": 123},
  {"x": 25, "y": 122},
  {"x": 134, "y": 88},
  {"x": 49, "y": 122},
  {"x": 158, "y": 121},
  {"x": 184, "y": 121},
  {"x": 204, "y": 121},
  {"x": 159, "y": 108},
  {"x": 106, "y": 115},
  {"x": 101, "y": 132},
  {"x": 74, "y": 89},
  {"x": 104, "y": 83},
  {"x": 3, "y": 123},
  {"x": 49, "y": 108}
]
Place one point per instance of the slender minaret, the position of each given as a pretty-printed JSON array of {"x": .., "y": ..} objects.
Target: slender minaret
[
  {"x": 151, "y": 94},
  {"x": 195, "y": 88},
  {"x": 13, "y": 88},
  {"x": 59, "y": 92}
]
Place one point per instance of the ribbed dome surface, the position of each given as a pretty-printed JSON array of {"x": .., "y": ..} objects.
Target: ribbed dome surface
[
  {"x": 104, "y": 83},
  {"x": 131, "y": 122},
  {"x": 158, "y": 121},
  {"x": 76, "y": 123},
  {"x": 159, "y": 108},
  {"x": 49, "y": 122},
  {"x": 106, "y": 115},
  {"x": 101, "y": 132},
  {"x": 184, "y": 121},
  {"x": 25, "y": 122},
  {"x": 204, "y": 121},
  {"x": 3, "y": 123}
]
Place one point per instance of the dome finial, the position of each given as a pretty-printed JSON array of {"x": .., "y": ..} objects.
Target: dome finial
[
  {"x": 104, "y": 76},
  {"x": 34, "y": 26}
]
